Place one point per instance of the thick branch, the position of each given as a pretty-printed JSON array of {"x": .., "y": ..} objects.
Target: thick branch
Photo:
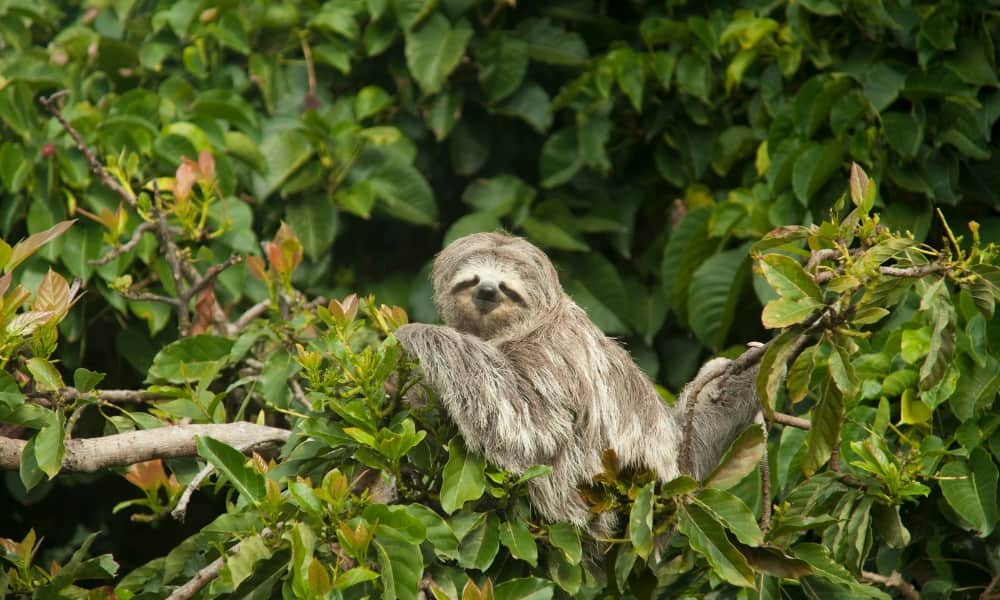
[
  {"x": 52, "y": 104},
  {"x": 895, "y": 580},
  {"x": 93, "y": 454}
]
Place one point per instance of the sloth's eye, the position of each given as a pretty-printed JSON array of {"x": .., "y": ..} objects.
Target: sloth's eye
[
  {"x": 465, "y": 284},
  {"x": 510, "y": 293}
]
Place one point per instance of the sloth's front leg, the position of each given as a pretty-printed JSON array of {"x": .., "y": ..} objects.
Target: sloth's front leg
[{"x": 496, "y": 408}]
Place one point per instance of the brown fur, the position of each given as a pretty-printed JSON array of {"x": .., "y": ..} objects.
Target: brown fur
[{"x": 529, "y": 379}]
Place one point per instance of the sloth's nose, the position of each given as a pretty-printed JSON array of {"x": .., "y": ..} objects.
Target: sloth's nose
[{"x": 487, "y": 290}]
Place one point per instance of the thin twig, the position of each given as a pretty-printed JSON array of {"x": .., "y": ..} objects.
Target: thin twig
[
  {"x": 765, "y": 478},
  {"x": 210, "y": 274},
  {"x": 70, "y": 394},
  {"x": 819, "y": 256},
  {"x": 895, "y": 580},
  {"x": 790, "y": 420},
  {"x": 126, "y": 247},
  {"x": 918, "y": 271},
  {"x": 206, "y": 574},
  {"x": 180, "y": 511},
  {"x": 257, "y": 310},
  {"x": 53, "y": 105},
  {"x": 150, "y": 297},
  {"x": 988, "y": 592},
  {"x": 299, "y": 394}
]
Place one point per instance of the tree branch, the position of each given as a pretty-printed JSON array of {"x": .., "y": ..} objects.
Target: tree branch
[
  {"x": 88, "y": 455},
  {"x": 53, "y": 105},
  {"x": 895, "y": 580},
  {"x": 127, "y": 246},
  {"x": 790, "y": 420},
  {"x": 207, "y": 574}
]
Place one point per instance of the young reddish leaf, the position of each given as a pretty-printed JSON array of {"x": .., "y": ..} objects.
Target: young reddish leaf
[
  {"x": 53, "y": 294},
  {"x": 184, "y": 180},
  {"x": 206, "y": 164},
  {"x": 29, "y": 245},
  {"x": 859, "y": 185},
  {"x": 147, "y": 475},
  {"x": 257, "y": 267}
]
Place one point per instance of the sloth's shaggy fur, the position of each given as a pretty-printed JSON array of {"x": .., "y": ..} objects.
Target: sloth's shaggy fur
[{"x": 529, "y": 379}]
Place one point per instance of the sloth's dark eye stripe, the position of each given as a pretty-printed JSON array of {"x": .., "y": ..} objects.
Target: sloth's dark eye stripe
[
  {"x": 461, "y": 285},
  {"x": 511, "y": 293}
]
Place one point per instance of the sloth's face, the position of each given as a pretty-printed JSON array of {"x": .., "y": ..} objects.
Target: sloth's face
[{"x": 487, "y": 296}]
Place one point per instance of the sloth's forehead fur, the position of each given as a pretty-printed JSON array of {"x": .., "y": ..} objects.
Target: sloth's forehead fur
[{"x": 500, "y": 256}]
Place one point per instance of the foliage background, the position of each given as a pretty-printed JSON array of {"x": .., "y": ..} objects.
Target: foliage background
[{"x": 644, "y": 145}]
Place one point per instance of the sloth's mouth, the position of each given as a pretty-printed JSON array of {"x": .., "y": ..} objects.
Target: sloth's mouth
[{"x": 485, "y": 305}]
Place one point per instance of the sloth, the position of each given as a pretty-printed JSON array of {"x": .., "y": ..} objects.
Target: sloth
[{"x": 529, "y": 379}]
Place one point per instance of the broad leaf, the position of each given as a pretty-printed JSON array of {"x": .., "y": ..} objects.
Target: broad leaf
[{"x": 463, "y": 477}]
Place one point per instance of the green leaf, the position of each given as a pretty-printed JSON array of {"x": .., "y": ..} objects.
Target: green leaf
[
  {"x": 566, "y": 537},
  {"x": 629, "y": 74},
  {"x": 941, "y": 349},
  {"x": 315, "y": 222},
  {"x": 784, "y": 312},
  {"x": 827, "y": 418},
  {"x": 480, "y": 546},
  {"x": 50, "y": 445},
  {"x": 818, "y": 558},
  {"x": 733, "y": 513},
  {"x": 550, "y": 43},
  {"x": 498, "y": 196},
  {"x": 45, "y": 374},
  {"x": 434, "y": 49},
  {"x": 800, "y": 375},
  {"x": 285, "y": 152},
  {"x": 970, "y": 487},
  {"x": 550, "y": 235},
  {"x": 395, "y": 522},
  {"x": 401, "y": 566},
  {"x": 231, "y": 464},
  {"x": 814, "y": 167},
  {"x": 241, "y": 563},
  {"x": 438, "y": 532},
  {"x": 404, "y": 193},
  {"x": 527, "y": 588},
  {"x": 772, "y": 368},
  {"x": 708, "y": 538},
  {"x": 190, "y": 358},
  {"x": 463, "y": 479},
  {"x": 640, "y": 521},
  {"x": 411, "y": 12},
  {"x": 31, "y": 474},
  {"x": 86, "y": 380},
  {"x": 841, "y": 370},
  {"x": 516, "y": 537},
  {"x": 503, "y": 61},
  {"x": 740, "y": 460},
  {"x": 560, "y": 159},
  {"x": 531, "y": 104},
  {"x": 716, "y": 287},
  {"x": 688, "y": 247}
]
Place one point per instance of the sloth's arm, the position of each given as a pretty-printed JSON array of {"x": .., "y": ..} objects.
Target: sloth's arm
[{"x": 497, "y": 409}]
